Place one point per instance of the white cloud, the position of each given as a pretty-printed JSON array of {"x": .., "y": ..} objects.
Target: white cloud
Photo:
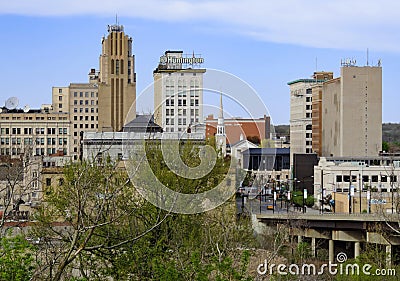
[{"x": 355, "y": 24}]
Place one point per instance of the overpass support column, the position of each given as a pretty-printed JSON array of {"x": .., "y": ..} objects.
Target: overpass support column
[
  {"x": 356, "y": 249},
  {"x": 331, "y": 251},
  {"x": 388, "y": 255},
  {"x": 313, "y": 250}
]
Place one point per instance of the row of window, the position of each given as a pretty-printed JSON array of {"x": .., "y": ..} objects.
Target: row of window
[
  {"x": 182, "y": 93},
  {"x": 181, "y": 102},
  {"x": 36, "y": 118},
  {"x": 181, "y": 121},
  {"x": 366, "y": 179},
  {"x": 171, "y": 129},
  {"x": 181, "y": 112},
  {"x": 29, "y": 131},
  {"x": 28, "y": 141},
  {"x": 39, "y": 151},
  {"x": 86, "y": 126},
  {"x": 86, "y": 118},
  {"x": 92, "y": 94},
  {"x": 86, "y": 110},
  {"x": 86, "y": 102}
]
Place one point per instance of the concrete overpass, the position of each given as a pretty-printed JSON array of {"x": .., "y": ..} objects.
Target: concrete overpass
[{"x": 357, "y": 229}]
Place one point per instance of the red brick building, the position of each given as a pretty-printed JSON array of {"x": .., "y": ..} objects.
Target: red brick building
[{"x": 248, "y": 128}]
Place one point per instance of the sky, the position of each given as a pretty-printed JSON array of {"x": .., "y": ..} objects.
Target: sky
[{"x": 47, "y": 43}]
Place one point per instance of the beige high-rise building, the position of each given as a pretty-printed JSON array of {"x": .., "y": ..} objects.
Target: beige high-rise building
[
  {"x": 178, "y": 92},
  {"x": 301, "y": 94},
  {"x": 80, "y": 102},
  {"x": 352, "y": 112},
  {"x": 117, "y": 81}
]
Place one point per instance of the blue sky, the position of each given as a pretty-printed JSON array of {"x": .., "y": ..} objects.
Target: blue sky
[{"x": 48, "y": 43}]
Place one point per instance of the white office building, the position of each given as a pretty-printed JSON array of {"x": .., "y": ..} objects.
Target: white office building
[{"x": 178, "y": 91}]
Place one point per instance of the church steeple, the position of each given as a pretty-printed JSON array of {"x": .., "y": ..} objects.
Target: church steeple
[{"x": 220, "y": 136}]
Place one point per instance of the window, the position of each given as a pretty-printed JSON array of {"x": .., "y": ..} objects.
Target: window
[
  {"x": 75, "y": 94},
  {"x": 48, "y": 181},
  {"x": 60, "y": 98},
  {"x": 59, "y": 91},
  {"x": 338, "y": 178},
  {"x": 308, "y": 107},
  {"x": 308, "y": 99},
  {"x": 393, "y": 178},
  {"x": 374, "y": 178},
  {"x": 365, "y": 178},
  {"x": 383, "y": 178}
]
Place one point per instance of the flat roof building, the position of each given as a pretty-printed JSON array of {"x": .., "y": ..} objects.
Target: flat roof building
[{"x": 178, "y": 91}]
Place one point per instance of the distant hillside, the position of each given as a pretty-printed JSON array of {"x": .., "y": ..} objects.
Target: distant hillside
[
  {"x": 390, "y": 132},
  {"x": 282, "y": 130}
]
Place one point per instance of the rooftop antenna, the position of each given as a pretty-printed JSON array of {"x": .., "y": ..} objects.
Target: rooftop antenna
[
  {"x": 116, "y": 19},
  {"x": 367, "y": 57},
  {"x": 316, "y": 64}
]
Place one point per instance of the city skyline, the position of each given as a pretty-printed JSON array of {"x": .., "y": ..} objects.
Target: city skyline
[{"x": 266, "y": 45}]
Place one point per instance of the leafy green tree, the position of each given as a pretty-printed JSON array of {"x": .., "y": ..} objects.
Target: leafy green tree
[
  {"x": 85, "y": 222},
  {"x": 385, "y": 146},
  {"x": 97, "y": 226},
  {"x": 16, "y": 258}
]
